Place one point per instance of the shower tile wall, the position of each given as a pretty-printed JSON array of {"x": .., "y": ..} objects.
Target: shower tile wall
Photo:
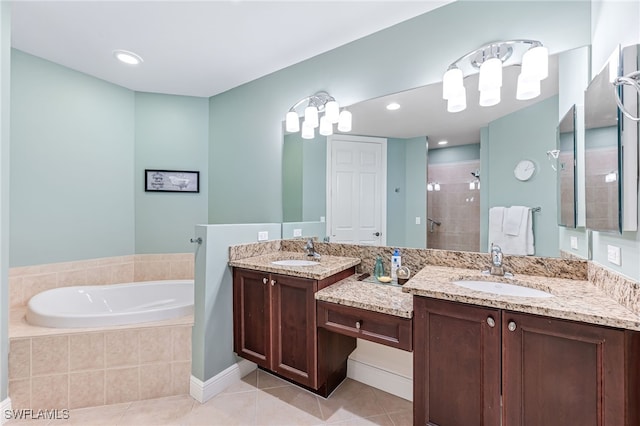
[
  {"x": 26, "y": 281},
  {"x": 455, "y": 206},
  {"x": 602, "y": 196}
]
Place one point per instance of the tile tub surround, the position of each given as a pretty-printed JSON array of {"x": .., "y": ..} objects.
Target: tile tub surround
[
  {"x": 576, "y": 300},
  {"x": 86, "y": 369},
  {"x": 372, "y": 297},
  {"x": 26, "y": 281},
  {"x": 327, "y": 265}
]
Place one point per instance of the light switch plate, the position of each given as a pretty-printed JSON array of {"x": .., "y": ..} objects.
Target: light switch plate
[
  {"x": 322, "y": 219},
  {"x": 263, "y": 235},
  {"x": 297, "y": 232},
  {"x": 574, "y": 243},
  {"x": 417, "y": 220},
  {"x": 613, "y": 255}
]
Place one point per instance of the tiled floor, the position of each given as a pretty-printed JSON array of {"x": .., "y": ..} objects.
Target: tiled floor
[{"x": 259, "y": 399}]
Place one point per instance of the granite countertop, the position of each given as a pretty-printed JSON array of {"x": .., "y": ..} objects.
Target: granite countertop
[
  {"x": 372, "y": 297},
  {"x": 327, "y": 265},
  {"x": 575, "y": 300}
]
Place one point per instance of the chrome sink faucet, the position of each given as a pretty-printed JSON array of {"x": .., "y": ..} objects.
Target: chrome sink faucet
[
  {"x": 311, "y": 250},
  {"x": 496, "y": 260}
]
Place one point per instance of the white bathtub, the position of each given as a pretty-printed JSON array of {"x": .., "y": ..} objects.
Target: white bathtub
[{"x": 116, "y": 304}]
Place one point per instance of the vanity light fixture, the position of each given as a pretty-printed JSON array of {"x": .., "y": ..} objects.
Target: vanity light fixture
[
  {"x": 433, "y": 186},
  {"x": 127, "y": 57},
  {"x": 489, "y": 60},
  {"x": 393, "y": 106},
  {"x": 318, "y": 103}
]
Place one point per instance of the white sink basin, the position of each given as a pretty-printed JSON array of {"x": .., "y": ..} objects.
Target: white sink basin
[
  {"x": 502, "y": 289},
  {"x": 295, "y": 262}
]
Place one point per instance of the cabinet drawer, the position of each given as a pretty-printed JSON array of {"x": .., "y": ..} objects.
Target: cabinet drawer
[{"x": 377, "y": 327}]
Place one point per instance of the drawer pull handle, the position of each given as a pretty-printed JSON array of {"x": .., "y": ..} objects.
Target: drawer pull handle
[
  {"x": 273, "y": 282},
  {"x": 512, "y": 326},
  {"x": 358, "y": 324},
  {"x": 491, "y": 322},
  {"x": 264, "y": 280}
]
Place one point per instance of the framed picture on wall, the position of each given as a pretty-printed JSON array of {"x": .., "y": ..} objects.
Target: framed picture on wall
[{"x": 171, "y": 181}]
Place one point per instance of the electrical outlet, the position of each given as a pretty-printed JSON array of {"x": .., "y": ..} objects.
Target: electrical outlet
[
  {"x": 574, "y": 243},
  {"x": 322, "y": 219},
  {"x": 417, "y": 220},
  {"x": 263, "y": 235},
  {"x": 613, "y": 255},
  {"x": 297, "y": 232}
]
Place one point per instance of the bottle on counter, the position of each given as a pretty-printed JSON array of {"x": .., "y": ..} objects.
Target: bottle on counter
[
  {"x": 396, "y": 262},
  {"x": 378, "y": 270}
]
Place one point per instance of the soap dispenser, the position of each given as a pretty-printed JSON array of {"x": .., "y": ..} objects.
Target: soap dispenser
[{"x": 396, "y": 262}]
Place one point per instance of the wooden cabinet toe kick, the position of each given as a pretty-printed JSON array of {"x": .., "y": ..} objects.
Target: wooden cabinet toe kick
[{"x": 377, "y": 327}]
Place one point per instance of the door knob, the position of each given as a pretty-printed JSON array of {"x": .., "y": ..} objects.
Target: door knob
[
  {"x": 377, "y": 234},
  {"x": 491, "y": 322},
  {"x": 358, "y": 324},
  {"x": 512, "y": 326},
  {"x": 264, "y": 280},
  {"x": 273, "y": 282}
]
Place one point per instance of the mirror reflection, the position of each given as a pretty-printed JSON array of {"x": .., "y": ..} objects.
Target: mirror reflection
[
  {"x": 483, "y": 147},
  {"x": 565, "y": 166}
]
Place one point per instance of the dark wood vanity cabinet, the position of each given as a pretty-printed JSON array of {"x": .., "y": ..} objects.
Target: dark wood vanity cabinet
[
  {"x": 275, "y": 326},
  {"x": 547, "y": 371}
]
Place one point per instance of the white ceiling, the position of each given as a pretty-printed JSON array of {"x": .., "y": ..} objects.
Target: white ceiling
[
  {"x": 202, "y": 48},
  {"x": 196, "y": 48}
]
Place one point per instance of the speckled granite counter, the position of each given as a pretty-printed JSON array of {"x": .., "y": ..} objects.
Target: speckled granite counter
[
  {"x": 575, "y": 300},
  {"x": 327, "y": 265},
  {"x": 372, "y": 297}
]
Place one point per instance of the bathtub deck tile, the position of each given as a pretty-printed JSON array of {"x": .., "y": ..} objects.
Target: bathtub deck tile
[
  {"x": 19, "y": 359},
  {"x": 86, "y": 351},
  {"x": 182, "y": 336},
  {"x": 155, "y": 345},
  {"x": 122, "y": 348},
  {"x": 50, "y": 392},
  {"x": 87, "y": 389},
  {"x": 155, "y": 380},
  {"x": 122, "y": 385},
  {"x": 49, "y": 355}
]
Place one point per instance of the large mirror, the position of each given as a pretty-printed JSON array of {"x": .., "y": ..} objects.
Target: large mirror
[
  {"x": 460, "y": 180},
  {"x": 566, "y": 168}
]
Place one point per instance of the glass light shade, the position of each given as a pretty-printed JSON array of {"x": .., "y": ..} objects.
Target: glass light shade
[
  {"x": 452, "y": 83},
  {"x": 472, "y": 186},
  {"x": 292, "y": 122},
  {"x": 344, "y": 123},
  {"x": 307, "y": 130},
  {"x": 326, "y": 127},
  {"x": 459, "y": 102},
  {"x": 535, "y": 63},
  {"x": 311, "y": 116},
  {"x": 436, "y": 186},
  {"x": 490, "y": 74},
  {"x": 489, "y": 97},
  {"x": 429, "y": 186},
  {"x": 527, "y": 88},
  {"x": 332, "y": 112}
]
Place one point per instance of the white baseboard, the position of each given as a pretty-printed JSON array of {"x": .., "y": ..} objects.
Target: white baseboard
[
  {"x": 4, "y": 407},
  {"x": 204, "y": 391},
  {"x": 380, "y": 378}
]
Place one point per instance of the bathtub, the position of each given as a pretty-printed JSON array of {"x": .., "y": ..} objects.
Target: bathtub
[{"x": 108, "y": 305}]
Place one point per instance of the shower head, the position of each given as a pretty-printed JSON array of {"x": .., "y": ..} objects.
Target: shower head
[{"x": 476, "y": 174}]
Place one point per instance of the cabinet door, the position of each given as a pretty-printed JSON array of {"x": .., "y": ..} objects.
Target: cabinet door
[
  {"x": 251, "y": 321},
  {"x": 294, "y": 328},
  {"x": 456, "y": 364},
  {"x": 559, "y": 373}
]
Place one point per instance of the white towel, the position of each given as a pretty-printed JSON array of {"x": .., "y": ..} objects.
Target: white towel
[
  {"x": 513, "y": 220},
  {"x": 521, "y": 244},
  {"x": 496, "y": 218}
]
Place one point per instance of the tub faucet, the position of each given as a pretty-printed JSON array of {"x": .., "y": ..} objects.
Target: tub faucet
[
  {"x": 496, "y": 260},
  {"x": 311, "y": 250}
]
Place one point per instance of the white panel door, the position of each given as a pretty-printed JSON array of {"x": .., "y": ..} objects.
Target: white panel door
[{"x": 356, "y": 193}]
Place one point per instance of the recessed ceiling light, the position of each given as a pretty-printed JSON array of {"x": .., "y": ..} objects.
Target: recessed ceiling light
[
  {"x": 443, "y": 142},
  {"x": 393, "y": 106},
  {"x": 127, "y": 57}
]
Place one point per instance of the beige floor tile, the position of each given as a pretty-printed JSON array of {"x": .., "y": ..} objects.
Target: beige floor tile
[
  {"x": 266, "y": 381},
  {"x": 106, "y": 415},
  {"x": 403, "y": 418},
  {"x": 289, "y": 405},
  {"x": 173, "y": 410},
  {"x": 382, "y": 420},
  {"x": 237, "y": 409},
  {"x": 247, "y": 384},
  {"x": 391, "y": 403},
  {"x": 351, "y": 399}
]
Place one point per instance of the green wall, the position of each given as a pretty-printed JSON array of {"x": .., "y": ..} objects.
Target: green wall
[
  {"x": 72, "y": 157},
  {"x": 525, "y": 134},
  {"x": 5, "y": 68},
  {"x": 171, "y": 133},
  {"x": 246, "y": 122},
  {"x": 396, "y": 201},
  {"x": 453, "y": 154}
]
